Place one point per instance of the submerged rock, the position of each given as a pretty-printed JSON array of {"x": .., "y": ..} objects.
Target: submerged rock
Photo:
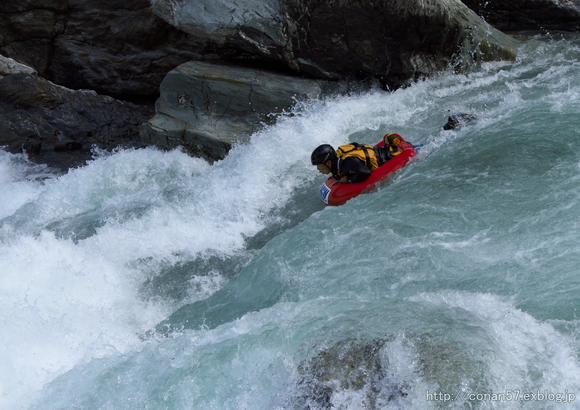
[
  {"x": 59, "y": 126},
  {"x": 206, "y": 107},
  {"x": 351, "y": 365},
  {"x": 458, "y": 119},
  {"x": 390, "y": 371}
]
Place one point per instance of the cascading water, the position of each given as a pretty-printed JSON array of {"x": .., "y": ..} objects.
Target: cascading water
[{"x": 153, "y": 280}]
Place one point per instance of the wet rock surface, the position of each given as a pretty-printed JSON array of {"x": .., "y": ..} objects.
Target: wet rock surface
[
  {"x": 59, "y": 126},
  {"x": 518, "y": 15},
  {"x": 393, "y": 42},
  {"x": 126, "y": 48},
  {"x": 351, "y": 365},
  {"x": 119, "y": 48},
  {"x": 206, "y": 108},
  {"x": 390, "y": 41}
]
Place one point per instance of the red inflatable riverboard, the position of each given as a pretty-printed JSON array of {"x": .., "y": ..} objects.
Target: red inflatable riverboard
[{"x": 334, "y": 193}]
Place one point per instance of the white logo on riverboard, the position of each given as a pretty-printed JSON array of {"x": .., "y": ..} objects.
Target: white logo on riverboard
[{"x": 324, "y": 192}]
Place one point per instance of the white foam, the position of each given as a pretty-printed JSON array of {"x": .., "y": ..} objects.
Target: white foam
[
  {"x": 68, "y": 297},
  {"x": 18, "y": 181},
  {"x": 528, "y": 355},
  {"x": 61, "y": 303}
]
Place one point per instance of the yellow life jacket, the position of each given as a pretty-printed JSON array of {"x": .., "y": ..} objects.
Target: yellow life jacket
[
  {"x": 394, "y": 151},
  {"x": 365, "y": 153}
]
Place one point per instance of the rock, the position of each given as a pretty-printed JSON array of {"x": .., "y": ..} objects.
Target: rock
[
  {"x": 8, "y": 67},
  {"x": 220, "y": 20},
  {"x": 206, "y": 107},
  {"x": 391, "y": 41},
  {"x": 350, "y": 365},
  {"x": 28, "y": 27},
  {"x": 518, "y": 15},
  {"x": 59, "y": 126},
  {"x": 119, "y": 48},
  {"x": 458, "y": 119},
  {"x": 122, "y": 49}
]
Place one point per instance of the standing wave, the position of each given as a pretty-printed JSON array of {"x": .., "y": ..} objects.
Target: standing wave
[{"x": 458, "y": 276}]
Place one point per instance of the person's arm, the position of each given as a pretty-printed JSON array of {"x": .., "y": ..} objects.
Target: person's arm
[{"x": 354, "y": 170}]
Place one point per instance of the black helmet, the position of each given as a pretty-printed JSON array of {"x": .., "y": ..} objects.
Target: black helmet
[
  {"x": 392, "y": 140},
  {"x": 322, "y": 154}
]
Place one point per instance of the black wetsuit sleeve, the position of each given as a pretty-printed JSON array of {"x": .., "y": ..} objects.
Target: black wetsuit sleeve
[{"x": 355, "y": 170}]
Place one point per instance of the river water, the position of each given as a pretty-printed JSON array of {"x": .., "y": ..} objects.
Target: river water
[{"x": 153, "y": 280}]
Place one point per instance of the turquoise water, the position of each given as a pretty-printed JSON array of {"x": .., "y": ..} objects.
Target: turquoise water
[{"x": 152, "y": 280}]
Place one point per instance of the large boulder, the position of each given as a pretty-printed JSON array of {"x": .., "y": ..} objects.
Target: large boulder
[
  {"x": 116, "y": 47},
  {"x": 59, "y": 126},
  {"x": 518, "y": 15},
  {"x": 393, "y": 41},
  {"x": 121, "y": 48},
  {"x": 205, "y": 108}
]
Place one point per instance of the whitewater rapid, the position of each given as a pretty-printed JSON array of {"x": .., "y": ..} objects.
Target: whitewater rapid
[{"x": 151, "y": 279}]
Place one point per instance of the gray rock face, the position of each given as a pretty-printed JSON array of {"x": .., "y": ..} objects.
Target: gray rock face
[
  {"x": 206, "y": 108},
  {"x": 59, "y": 126},
  {"x": 8, "y": 67},
  {"x": 124, "y": 49},
  {"x": 219, "y": 19},
  {"x": 517, "y": 15},
  {"x": 393, "y": 41},
  {"x": 115, "y": 47},
  {"x": 390, "y": 40}
]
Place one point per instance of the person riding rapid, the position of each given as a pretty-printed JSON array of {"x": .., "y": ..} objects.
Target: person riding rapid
[{"x": 354, "y": 162}]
